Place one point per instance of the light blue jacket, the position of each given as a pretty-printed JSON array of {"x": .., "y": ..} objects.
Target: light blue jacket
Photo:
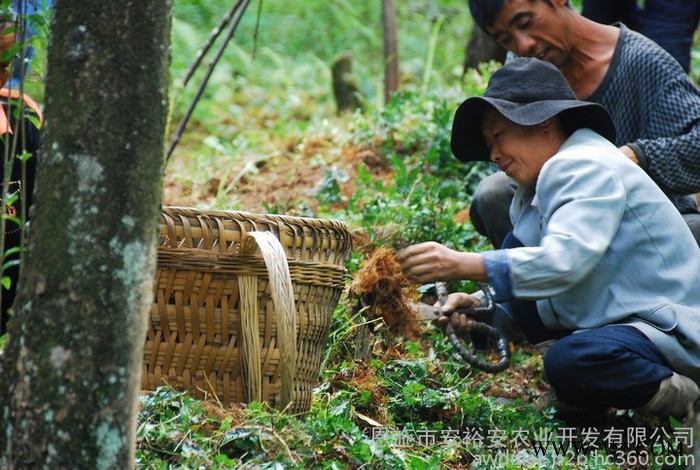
[{"x": 604, "y": 245}]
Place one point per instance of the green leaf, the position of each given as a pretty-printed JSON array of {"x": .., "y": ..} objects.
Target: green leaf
[
  {"x": 12, "y": 251},
  {"x": 34, "y": 119},
  {"x": 8, "y": 264},
  {"x": 24, "y": 156}
]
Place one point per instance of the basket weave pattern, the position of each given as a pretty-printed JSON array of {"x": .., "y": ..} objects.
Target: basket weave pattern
[{"x": 218, "y": 270}]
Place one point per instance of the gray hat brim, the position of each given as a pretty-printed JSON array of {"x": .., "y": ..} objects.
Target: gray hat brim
[{"x": 468, "y": 142}]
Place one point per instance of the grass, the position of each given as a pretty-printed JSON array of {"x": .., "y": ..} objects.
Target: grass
[
  {"x": 264, "y": 92},
  {"x": 426, "y": 402}
]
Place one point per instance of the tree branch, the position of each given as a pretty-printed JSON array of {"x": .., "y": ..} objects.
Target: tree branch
[{"x": 200, "y": 91}]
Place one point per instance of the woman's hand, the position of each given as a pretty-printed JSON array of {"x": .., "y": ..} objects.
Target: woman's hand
[
  {"x": 431, "y": 261},
  {"x": 447, "y": 312},
  {"x": 629, "y": 153},
  {"x": 427, "y": 262}
]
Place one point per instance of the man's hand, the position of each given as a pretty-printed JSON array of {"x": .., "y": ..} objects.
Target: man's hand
[{"x": 629, "y": 153}]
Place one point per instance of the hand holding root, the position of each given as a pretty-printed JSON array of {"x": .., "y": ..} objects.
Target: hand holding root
[{"x": 430, "y": 261}]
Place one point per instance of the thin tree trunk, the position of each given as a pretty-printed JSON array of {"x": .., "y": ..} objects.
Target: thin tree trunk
[
  {"x": 482, "y": 48},
  {"x": 391, "y": 50},
  {"x": 71, "y": 368}
]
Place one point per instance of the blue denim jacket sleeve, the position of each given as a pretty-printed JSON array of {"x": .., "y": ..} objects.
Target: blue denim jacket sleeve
[{"x": 498, "y": 272}]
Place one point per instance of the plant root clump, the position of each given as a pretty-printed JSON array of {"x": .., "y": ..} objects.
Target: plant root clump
[{"x": 385, "y": 293}]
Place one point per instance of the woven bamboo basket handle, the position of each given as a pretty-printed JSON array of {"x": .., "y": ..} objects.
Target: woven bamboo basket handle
[{"x": 283, "y": 301}]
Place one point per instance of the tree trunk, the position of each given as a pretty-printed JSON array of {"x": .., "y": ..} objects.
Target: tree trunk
[
  {"x": 391, "y": 50},
  {"x": 482, "y": 48},
  {"x": 72, "y": 364}
]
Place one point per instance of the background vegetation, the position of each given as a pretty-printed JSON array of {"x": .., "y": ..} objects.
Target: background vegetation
[
  {"x": 266, "y": 138},
  {"x": 268, "y": 119}
]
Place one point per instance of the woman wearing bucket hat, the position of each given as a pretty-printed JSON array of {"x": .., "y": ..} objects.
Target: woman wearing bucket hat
[
  {"x": 654, "y": 104},
  {"x": 598, "y": 266}
]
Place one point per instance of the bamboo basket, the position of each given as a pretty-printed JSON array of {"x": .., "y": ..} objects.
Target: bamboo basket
[{"x": 243, "y": 304}]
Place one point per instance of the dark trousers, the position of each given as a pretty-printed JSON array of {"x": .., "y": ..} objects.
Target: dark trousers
[
  {"x": 490, "y": 205},
  {"x": 669, "y": 23},
  {"x": 611, "y": 366},
  {"x": 607, "y": 12},
  {"x": 615, "y": 365}
]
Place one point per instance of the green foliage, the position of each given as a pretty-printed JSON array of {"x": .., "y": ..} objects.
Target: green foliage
[
  {"x": 428, "y": 396},
  {"x": 32, "y": 85},
  {"x": 411, "y": 193},
  {"x": 264, "y": 80},
  {"x": 264, "y": 99},
  {"x": 172, "y": 431},
  {"x": 428, "y": 185}
]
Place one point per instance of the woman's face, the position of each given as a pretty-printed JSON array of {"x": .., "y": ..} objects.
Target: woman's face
[{"x": 520, "y": 151}]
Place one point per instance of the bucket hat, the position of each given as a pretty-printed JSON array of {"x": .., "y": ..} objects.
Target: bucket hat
[{"x": 526, "y": 91}]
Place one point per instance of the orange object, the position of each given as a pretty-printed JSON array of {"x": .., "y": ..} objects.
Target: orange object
[
  {"x": 6, "y": 43},
  {"x": 5, "y": 127}
]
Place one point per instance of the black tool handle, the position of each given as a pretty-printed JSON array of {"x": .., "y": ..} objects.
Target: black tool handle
[{"x": 477, "y": 327}]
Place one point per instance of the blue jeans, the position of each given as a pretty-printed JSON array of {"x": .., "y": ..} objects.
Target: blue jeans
[
  {"x": 611, "y": 366},
  {"x": 669, "y": 23},
  {"x": 608, "y": 12},
  {"x": 614, "y": 365}
]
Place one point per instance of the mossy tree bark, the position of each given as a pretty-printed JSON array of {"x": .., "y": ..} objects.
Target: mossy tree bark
[
  {"x": 72, "y": 364},
  {"x": 391, "y": 49}
]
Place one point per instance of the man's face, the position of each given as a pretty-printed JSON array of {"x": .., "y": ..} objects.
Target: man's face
[
  {"x": 533, "y": 29},
  {"x": 519, "y": 151}
]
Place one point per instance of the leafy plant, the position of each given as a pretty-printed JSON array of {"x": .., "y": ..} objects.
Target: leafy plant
[
  {"x": 411, "y": 404},
  {"x": 428, "y": 186}
]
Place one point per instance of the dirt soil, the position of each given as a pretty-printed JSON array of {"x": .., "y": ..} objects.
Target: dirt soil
[{"x": 285, "y": 180}]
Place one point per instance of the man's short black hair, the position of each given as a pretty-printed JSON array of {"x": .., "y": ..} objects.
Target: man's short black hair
[{"x": 485, "y": 11}]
